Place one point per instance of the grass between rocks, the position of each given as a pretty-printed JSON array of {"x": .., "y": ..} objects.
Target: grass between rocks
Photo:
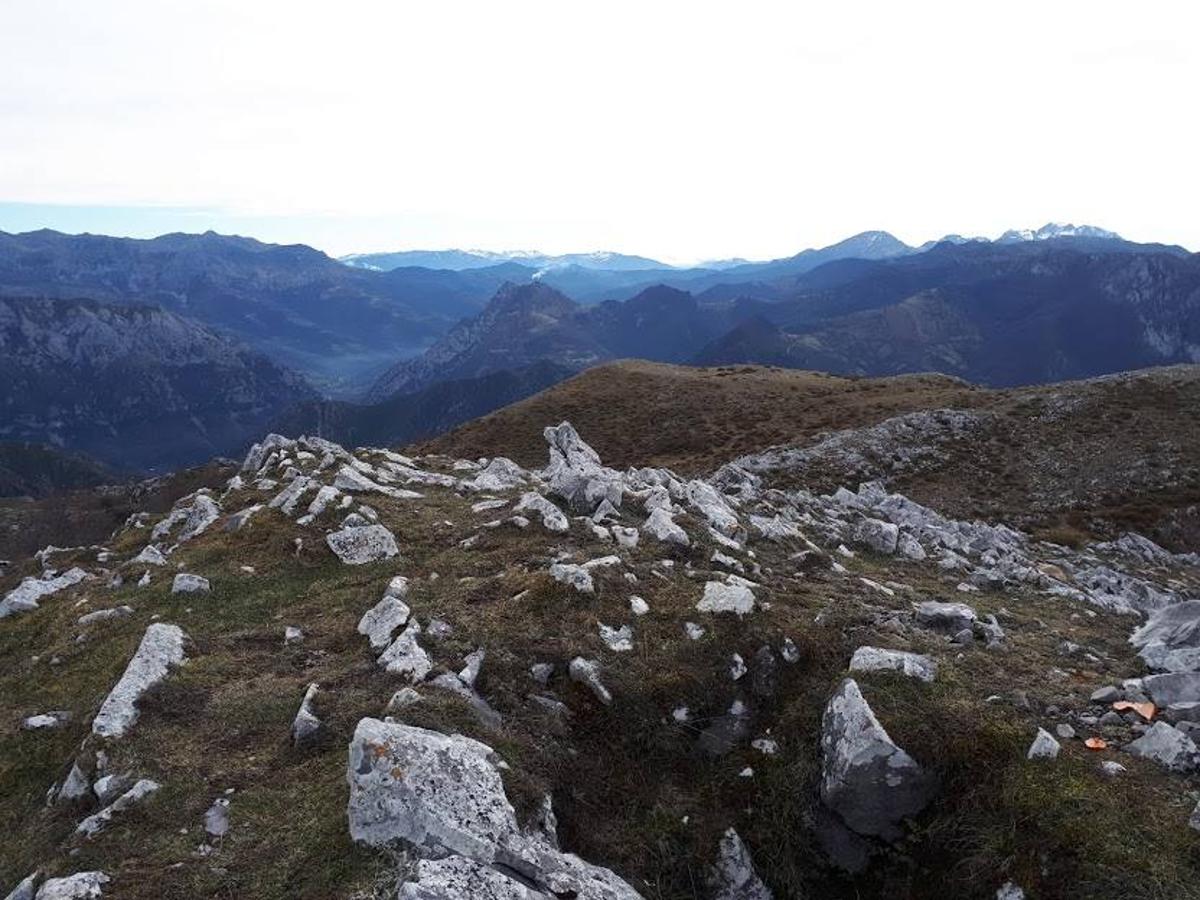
[{"x": 630, "y": 787}]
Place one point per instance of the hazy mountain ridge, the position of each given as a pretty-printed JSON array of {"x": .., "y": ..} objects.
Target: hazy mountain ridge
[{"x": 136, "y": 387}]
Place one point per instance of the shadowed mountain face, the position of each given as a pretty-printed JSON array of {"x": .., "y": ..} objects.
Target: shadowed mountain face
[
  {"x": 335, "y": 324},
  {"x": 137, "y": 388},
  {"x": 34, "y": 470},
  {"x": 997, "y": 314}
]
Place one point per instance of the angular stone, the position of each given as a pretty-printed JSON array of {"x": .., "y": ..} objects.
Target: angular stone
[
  {"x": 150, "y": 556},
  {"x": 552, "y": 517},
  {"x": 866, "y": 779},
  {"x": 1170, "y": 638},
  {"x": 733, "y": 876},
  {"x": 1044, "y": 746},
  {"x": 184, "y": 583},
  {"x": 587, "y": 672},
  {"x": 160, "y": 650},
  {"x": 876, "y": 659},
  {"x": 381, "y": 621},
  {"x": 949, "y": 618},
  {"x": 404, "y": 656},
  {"x": 80, "y": 886},
  {"x": 306, "y": 726},
  {"x": 26, "y": 596},
  {"x": 709, "y": 502},
  {"x": 1176, "y": 687},
  {"x": 575, "y": 473},
  {"x": 1167, "y": 746},
  {"x": 619, "y": 640},
  {"x": 94, "y": 824},
  {"x": 661, "y": 526},
  {"x": 726, "y": 597},
  {"x": 216, "y": 819},
  {"x": 360, "y": 545},
  {"x": 574, "y": 576},
  {"x": 877, "y": 536}
]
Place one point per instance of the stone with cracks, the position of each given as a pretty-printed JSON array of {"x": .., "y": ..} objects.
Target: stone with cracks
[
  {"x": 443, "y": 796},
  {"x": 96, "y": 823},
  {"x": 150, "y": 556},
  {"x": 574, "y": 576},
  {"x": 80, "y": 886},
  {"x": 1044, "y": 746},
  {"x": 499, "y": 474},
  {"x": 709, "y": 502},
  {"x": 160, "y": 650},
  {"x": 1170, "y": 639},
  {"x": 575, "y": 474},
  {"x": 726, "y": 597},
  {"x": 662, "y": 526},
  {"x": 866, "y": 779},
  {"x": 184, "y": 583},
  {"x": 733, "y": 876},
  {"x": 1168, "y": 747},
  {"x": 357, "y": 546},
  {"x": 380, "y": 622},
  {"x": 1172, "y": 688},
  {"x": 406, "y": 657},
  {"x": 552, "y": 517},
  {"x": 876, "y": 535},
  {"x": 950, "y": 618},
  {"x": 876, "y": 659}
]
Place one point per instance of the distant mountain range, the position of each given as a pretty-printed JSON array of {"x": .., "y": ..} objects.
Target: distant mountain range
[
  {"x": 184, "y": 346},
  {"x": 337, "y": 325},
  {"x": 136, "y": 387},
  {"x": 460, "y": 260}
]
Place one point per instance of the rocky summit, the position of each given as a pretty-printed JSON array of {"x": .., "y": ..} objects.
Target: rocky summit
[{"x": 361, "y": 673}]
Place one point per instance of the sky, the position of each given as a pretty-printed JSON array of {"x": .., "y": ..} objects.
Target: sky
[{"x": 679, "y": 130}]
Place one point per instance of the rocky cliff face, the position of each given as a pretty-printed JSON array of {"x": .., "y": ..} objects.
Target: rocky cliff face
[
  {"x": 135, "y": 387},
  {"x": 432, "y": 677}
]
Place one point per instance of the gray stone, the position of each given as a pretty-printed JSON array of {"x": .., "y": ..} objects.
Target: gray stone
[
  {"x": 1106, "y": 695},
  {"x": 94, "y": 824},
  {"x": 709, "y": 502},
  {"x": 150, "y": 556},
  {"x": 443, "y": 795},
  {"x": 184, "y": 583},
  {"x": 1194, "y": 818},
  {"x": 80, "y": 886},
  {"x": 876, "y": 535},
  {"x": 587, "y": 672},
  {"x": 661, "y": 526},
  {"x": 47, "y": 721},
  {"x": 25, "y": 890},
  {"x": 1182, "y": 712},
  {"x": 361, "y": 545},
  {"x": 1176, "y": 687},
  {"x": 1044, "y": 746},
  {"x": 726, "y": 731},
  {"x": 876, "y": 659},
  {"x": 619, "y": 640},
  {"x": 1064, "y": 731},
  {"x": 989, "y": 630},
  {"x": 1009, "y": 891},
  {"x": 733, "y": 876},
  {"x": 216, "y": 820},
  {"x": 575, "y": 473},
  {"x": 26, "y": 596},
  {"x": 574, "y": 576},
  {"x": 161, "y": 649},
  {"x": 866, "y": 779},
  {"x": 306, "y": 726},
  {"x": 949, "y": 618},
  {"x": 381, "y": 621},
  {"x": 553, "y": 518},
  {"x": 1170, "y": 638},
  {"x": 103, "y": 615},
  {"x": 727, "y": 597},
  {"x": 404, "y": 656},
  {"x": 1167, "y": 746}
]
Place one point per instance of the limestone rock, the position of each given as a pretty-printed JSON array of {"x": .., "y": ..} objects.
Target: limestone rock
[
  {"x": 1170, "y": 639},
  {"x": 709, "y": 502},
  {"x": 1168, "y": 747},
  {"x": 575, "y": 474},
  {"x": 727, "y": 597},
  {"x": 364, "y": 544},
  {"x": 574, "y": 576},
  {"x": 552, "y": 517},
  {"x": 306, "y": 725},
  {"x": 404, "y": 656},
  {"x": 381, "y": 621},
  {"x": 587, "y": 672},
  {"x": 184, "y": 583},
  {"x": 1044, "y": 746},
  {"x": 160, "y": 650},
  {"x": 733, "y": 876},
  {"x": 949, "y": 618},
  {"x": 877, "y": 536},
  {"x": 25, "y": 596},
  {"x": 866, "y": 779},
  {"x": 150, "y": 556},
  {"x": 876, "y": 659},
  {"x": 662, "y": 526},
  {"x": 80, "y": 886},
  {"x": 94, "y": 824}
]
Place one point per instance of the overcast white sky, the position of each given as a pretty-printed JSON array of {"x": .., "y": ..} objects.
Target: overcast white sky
[{"x": 682, "y": 130}]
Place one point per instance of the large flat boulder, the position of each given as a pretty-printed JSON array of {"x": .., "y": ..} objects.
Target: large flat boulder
[
  {"x": 1170, "y": 639},
  {"x": 363, "y": 544}
]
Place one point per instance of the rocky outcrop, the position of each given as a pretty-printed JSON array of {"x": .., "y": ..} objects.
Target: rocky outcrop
[
  {"x": 875, "y": 659},
  {"x": 26, "y": 596},
  {"x": 442, "y": 795}
]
